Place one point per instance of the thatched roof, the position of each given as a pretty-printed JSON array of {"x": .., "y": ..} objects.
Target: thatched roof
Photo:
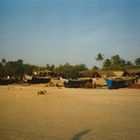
[
  {"x": 133, "y": 71},
  {"x": 120, "y": 73},
  {"x": 89, "y": 73},
  {"x": 44, "y": 73},
  {"x": 106, "y": 73}
]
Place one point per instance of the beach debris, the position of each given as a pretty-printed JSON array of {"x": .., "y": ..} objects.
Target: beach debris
[
  {"x": 51, "y": 84},
  {"x": 134, "y": 86},
  {"x": 87, "y": 85},
  {"x": 42, "y": 92},
  {"x": 59, "y": 86}
]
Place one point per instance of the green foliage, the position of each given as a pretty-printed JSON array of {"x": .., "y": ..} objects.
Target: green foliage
[
  {"x": 14, "y": 68},
  {"x": 17, "y": 68},
  {"x": 3, "y": 61},
  {"x": 100, "y": 58},
  {"x": 28, "y": 68},
  {"x": 116, "y": 60},
  {"x": 69, "y": 71},
  {"x": 137, "y": 61},
  {"x": 95, "y": 68},
  {"x": 128, "y": 63},
  {"x": 50, "y": 67},
  {"x": 116, "y": 63},
  {"x": 80, "y": 67},
  {"x": 107, "y": 63}
]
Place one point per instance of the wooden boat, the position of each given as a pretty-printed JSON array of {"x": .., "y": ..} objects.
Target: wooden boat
[
  {"x": 6, "y": 81},
  {"x": 76, "y": 83},
  {"x": 119, "y": 82},
  {"x": 37, "y": 80}
]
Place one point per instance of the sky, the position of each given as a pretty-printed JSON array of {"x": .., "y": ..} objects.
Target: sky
[{"x": 58, "y": 31}]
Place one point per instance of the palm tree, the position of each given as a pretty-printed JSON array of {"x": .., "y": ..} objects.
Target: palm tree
[
  {"x": 3, "y": 61},
  {"x": 100, "y": 58},
  {"x": 115, "y": 60},
  {"x": 107, "y": 63}
]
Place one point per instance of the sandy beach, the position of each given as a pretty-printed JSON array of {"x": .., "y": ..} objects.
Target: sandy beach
[{"x": 68, "y": 114}]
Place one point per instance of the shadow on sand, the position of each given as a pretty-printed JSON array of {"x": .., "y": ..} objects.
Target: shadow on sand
[{"x": 79, "y": 135}]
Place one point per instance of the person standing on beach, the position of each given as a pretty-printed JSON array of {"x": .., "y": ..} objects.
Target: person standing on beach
[{"x": 94, "y": 82}]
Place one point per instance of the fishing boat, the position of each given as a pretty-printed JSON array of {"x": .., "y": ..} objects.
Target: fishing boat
[
  {"x": 119, "y": 82},
  {"x": 76, "y": 83},
  {"x": 36, "y": 79},
  {"x": 7, "y": 81}
]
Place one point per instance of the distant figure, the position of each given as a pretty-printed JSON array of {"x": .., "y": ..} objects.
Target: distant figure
[
  {"x": 94, "y": 82},
  {"x": 136, "y": 78}
]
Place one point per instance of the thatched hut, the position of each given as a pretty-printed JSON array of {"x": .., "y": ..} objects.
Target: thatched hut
[
  {"x": 134, "y": 72},
  {"x": 121, "y": 73},
  {"x": 106, "y": 73},
  {"x": 89, "y": 73},
  {"x": 44, "y": 73}
]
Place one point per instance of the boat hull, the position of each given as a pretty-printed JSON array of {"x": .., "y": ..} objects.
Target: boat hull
[
  {"x": 7, "y": 82},
  {"x": 76, "y": 83},
  {"x": 38, "y": 80},
  {"x": 118, "y": 83}
]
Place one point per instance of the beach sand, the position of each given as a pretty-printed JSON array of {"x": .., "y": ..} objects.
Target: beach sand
[{"x": 68, "y": 114}]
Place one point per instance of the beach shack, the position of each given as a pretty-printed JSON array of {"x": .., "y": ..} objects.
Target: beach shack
[
  {"x": 89, "y": 73},
  {"x": 134, "y": 72},
  {"x": 106, "y": 73},
  {"x": 120, "y": 73}
]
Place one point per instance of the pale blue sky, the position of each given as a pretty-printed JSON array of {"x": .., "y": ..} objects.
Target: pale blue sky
[{"x": 74, "y": 31}]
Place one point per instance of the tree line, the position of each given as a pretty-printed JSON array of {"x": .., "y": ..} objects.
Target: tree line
[
  {"x": 116, "y": 62},
  {"x": 17, "y": 68}
]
